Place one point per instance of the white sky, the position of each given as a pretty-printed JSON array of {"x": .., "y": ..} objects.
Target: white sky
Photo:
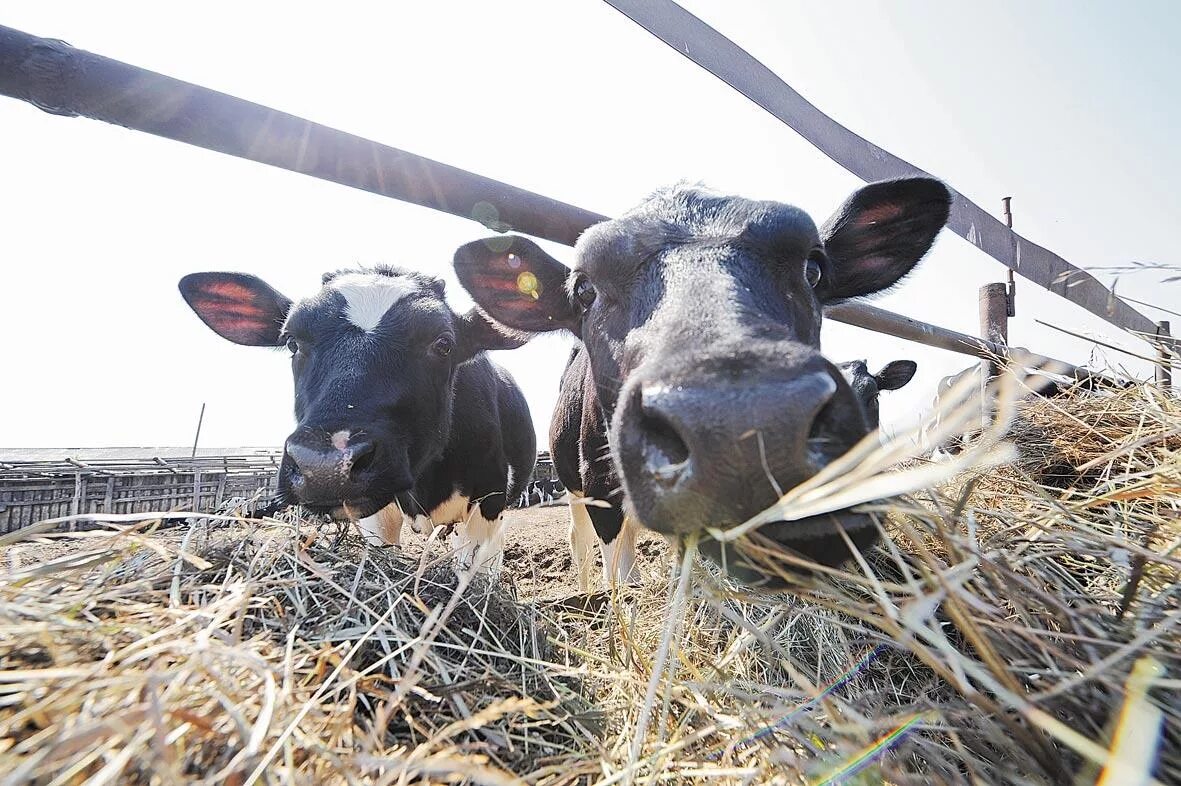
[{"x": 1070, "y": 108}]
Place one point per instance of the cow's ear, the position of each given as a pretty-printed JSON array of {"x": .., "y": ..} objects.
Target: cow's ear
[
  {"x": 475, "y": 332},
  {"x": 895, "y": 374},
  {"x": 516, "y": 283},
  {"x": 236, "y": 306},
  {"x": 880, "y": 234}
]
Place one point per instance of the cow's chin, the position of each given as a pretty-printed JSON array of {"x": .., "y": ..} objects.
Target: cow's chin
[
  {"x": 346, "y": 510},
  {"x": 782, "y": 548}
]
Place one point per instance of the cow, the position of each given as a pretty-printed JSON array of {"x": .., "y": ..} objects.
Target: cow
[
  {"x": 703, "y": 391},
  {"x": 868, "y": 387},
  {"x": 400, "y": 414}
]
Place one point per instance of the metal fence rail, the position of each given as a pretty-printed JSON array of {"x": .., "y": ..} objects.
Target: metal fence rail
[
  {"x": 63, "y": 80},
  {"x": 700, "y": 43}
]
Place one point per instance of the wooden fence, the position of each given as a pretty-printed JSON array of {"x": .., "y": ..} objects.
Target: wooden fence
[{"x": 32, "y": 491}]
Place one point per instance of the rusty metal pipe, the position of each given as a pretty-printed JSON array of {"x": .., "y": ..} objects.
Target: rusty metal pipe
[{"x": 62, "y": 80}]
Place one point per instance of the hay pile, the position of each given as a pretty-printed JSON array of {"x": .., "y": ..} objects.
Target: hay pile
[{"x": 995, "y": 638}]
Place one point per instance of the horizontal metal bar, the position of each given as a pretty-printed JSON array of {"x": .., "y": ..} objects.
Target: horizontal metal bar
[
  {"x": 720, "y": 56},
  {"x": 63, "y": 80},
  {"x": 879, "y": 320}
]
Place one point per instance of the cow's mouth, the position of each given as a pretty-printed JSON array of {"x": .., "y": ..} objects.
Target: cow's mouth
[
  {"x": 780, "y": 550},
  {"x": 345, "y": 510}
]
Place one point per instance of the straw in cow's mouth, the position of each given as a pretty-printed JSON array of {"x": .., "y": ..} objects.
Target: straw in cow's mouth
[{"x": 868, "y": 471}]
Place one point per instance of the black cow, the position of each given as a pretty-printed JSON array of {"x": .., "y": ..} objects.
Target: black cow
[
  {"x": 582, "y": 460},
  {"x": 700, "y": 369},
  {"x": 400, "y": 414},
  {"x": 868, "y": 387}
]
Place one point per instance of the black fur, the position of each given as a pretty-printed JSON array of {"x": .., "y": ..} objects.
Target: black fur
[
  {"x": 490, "y": 430},
  {"x": 580, "y": 450}
]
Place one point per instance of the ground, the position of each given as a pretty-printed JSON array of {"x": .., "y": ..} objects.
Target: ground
[
  {"x": 537, "y": 555},
  {"x": 537, "y": 552}
]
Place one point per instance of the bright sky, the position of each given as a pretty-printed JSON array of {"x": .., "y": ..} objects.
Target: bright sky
[{"x": 1069, "y": 108}]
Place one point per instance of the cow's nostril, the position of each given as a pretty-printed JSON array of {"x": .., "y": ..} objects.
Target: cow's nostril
[
  {"x": 363, "y": 457},
  {"x": 664, "y": 448},
  {"x": 829, "y": 433},
  {"x": 819, "y": 431}
]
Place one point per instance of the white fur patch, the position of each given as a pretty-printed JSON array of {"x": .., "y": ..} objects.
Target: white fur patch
[
  {"x": 384, "y": 527},
  {"x": 479, "y": 541},
  {"x": 449, "y": 511},
  {"x": 368, "y": 296},
  {"x": 340, "y": 440},
  {"x": 619, "y": 556},
  {"x": 582, "y": 539}
]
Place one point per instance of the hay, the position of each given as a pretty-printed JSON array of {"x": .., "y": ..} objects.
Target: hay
[{"x": 1018, "y": 624}]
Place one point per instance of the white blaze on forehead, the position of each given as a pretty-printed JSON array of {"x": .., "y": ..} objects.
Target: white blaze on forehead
[{"x": 368, "y": 296}]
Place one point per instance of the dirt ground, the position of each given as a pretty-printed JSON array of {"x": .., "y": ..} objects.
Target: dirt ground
[
  {"x": 537, "y": 553},
  {"x": 537, "y": 557}
]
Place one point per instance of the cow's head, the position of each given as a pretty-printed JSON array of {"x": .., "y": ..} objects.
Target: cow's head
[
  {"x": 701, "y": 317},
  {"x": 373, "y": 356},
  {"x": 867, "y": 387}
]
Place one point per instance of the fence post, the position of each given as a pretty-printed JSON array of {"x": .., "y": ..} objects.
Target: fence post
[
  {"x": 76, "y": 504},
  {"x": 196, "y": 490},
  {"x": 1164, "y": 359},
  {"x": 994, "y": 327}
]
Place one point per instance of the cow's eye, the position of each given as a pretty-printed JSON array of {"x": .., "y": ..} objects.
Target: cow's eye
[
  {"x": 443, "y": 346},
  {"x": 292, "y": 344},
  {"x": 813, "y": 270},
  {"x": 584, "y": 292}
]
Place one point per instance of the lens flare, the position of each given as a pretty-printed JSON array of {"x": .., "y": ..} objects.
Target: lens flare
[
  {"x": 527, "y": 284},
  {"x": 781, "y": 723}
]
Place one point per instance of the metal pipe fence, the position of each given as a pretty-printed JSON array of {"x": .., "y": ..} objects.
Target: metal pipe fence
[{"x": 63, "y": 80}]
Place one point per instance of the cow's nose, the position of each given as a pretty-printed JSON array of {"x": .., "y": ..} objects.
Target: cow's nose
[
  {"x": 328, "y": 473},
  {"x": 714, "y": 452},
  {"x": 681, "y": 423}
]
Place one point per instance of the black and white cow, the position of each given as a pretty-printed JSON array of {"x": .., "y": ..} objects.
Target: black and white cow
[
  {"x": 868, "y": 387},
  {"x": 703, "y": 387},
  {"x": 582, "y": 459},
  {"x": 399, "y": 412}
]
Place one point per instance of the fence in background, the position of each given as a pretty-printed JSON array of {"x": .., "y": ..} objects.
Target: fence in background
[{"x": 32, "y": 491}]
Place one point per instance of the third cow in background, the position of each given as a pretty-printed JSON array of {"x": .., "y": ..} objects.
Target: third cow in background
[{"x": 868, "y": 387}]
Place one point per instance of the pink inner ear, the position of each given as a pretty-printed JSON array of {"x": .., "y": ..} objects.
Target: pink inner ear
[
  {"x": 876, "y": 215},
  {"x": 230, "y": 307},
  {"x": 227, "y": 292},
  {"x": 496, "y": 283},
  {"x": 228, "y": 324}
]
